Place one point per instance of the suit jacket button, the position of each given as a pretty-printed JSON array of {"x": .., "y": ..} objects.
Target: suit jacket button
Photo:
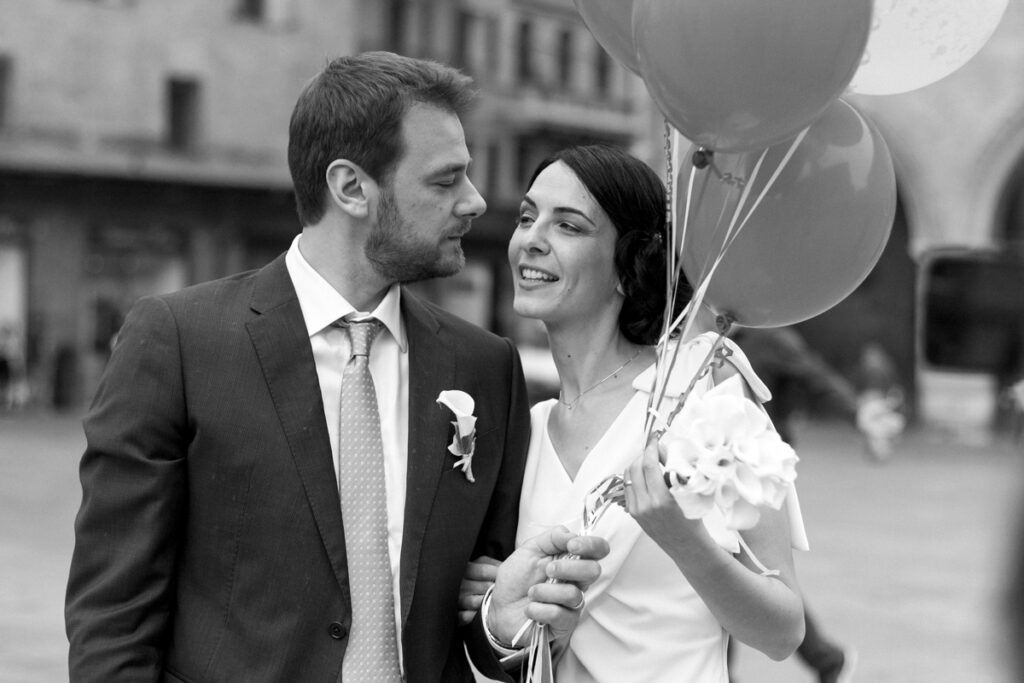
[{"x": 336, "y": 630}]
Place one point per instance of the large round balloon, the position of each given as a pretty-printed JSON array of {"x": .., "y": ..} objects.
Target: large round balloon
[
  {"x": 735, "y": 75},
  {"x": 914, "y": 43},
  {"x": 816, "y": 234},
  {"x": 611, "y": 22}
]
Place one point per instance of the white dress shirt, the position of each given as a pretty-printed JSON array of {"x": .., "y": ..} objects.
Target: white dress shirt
[{"x": 322, "y": 305}]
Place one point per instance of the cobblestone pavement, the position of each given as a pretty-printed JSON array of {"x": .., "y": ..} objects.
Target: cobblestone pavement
[{"x": 907, "y": 559}]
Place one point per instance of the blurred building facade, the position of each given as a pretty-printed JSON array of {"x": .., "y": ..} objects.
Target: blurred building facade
[{"x": 142, "y": 148}]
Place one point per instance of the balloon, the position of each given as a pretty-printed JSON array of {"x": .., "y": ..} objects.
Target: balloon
[
  {"x": 914, "y": 43},
  {"x": 737, "y": 75},
  {"x": 611, "y": 22},
  {"x": 816, "y": 234}
]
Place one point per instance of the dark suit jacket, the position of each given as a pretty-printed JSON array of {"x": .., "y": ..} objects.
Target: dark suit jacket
[{"x": 209, "y": 543}]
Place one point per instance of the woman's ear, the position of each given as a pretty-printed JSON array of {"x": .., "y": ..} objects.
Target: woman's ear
[{"x": 349, "y": 187}]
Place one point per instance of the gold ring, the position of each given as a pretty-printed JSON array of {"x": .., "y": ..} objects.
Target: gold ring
[
  {"x": 627, "y": 482},
  {"x": 582, "y": 602}
]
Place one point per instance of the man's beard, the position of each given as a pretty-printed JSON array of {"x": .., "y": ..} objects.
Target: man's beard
[{"x": 399, "y": 255}]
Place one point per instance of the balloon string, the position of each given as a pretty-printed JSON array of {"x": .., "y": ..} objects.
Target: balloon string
[
  {"x": 671, "y": 267},
  {"x": 665, "y": 365},
  {"x": 671, "y": 270},
  {"x": 734, "y": 228},
  {"x": 753, "y": 558},
  {"x": 669, "y": 203},
  {"x": 674, "y": 274},
  {"x": 717, "y": 351},
  {"x": 670, "y": 261},
  {"x": 775, "y": 175},
  {"x": 712, "y": 260}
]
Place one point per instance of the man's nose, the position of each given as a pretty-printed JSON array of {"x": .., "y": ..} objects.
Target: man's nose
[{"x": 472, "y": 204}]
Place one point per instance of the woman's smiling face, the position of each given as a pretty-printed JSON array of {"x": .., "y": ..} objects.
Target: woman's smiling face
[{"x": 562, "y": 251}]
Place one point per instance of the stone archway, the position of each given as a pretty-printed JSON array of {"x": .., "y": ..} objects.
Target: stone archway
[{"x": 1008, "y": 234}]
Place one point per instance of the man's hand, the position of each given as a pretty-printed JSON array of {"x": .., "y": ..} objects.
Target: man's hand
[
  {"x": 522, "y": 589},
  {"x": 480, "y": 574}
]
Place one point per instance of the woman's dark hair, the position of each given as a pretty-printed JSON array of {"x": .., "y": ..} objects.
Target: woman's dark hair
[
  {"x": 354, "y": 109},
  {"x": 633, "y": 197}
]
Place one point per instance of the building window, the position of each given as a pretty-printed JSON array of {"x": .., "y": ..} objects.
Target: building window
[
  {"x": 5, "y": 87},
  {"x": 115, "y": 3},
  {"x": 525, "y": 44},
  {"x": 525, "y": 161},
  {"x": 273, "y": 13},
  {"x": 463, "y": 33},
  {"x": 251, "y": 10},
  {"x": 182, "y": 114},
  {"x": 398, "y": 17},
  {"x": 602, "y": 73},
  {"x": 492, "y": 178},
  {"x": 425, "y": 31},
  {"x": 565, "y": 45},
  {"x": 492, "y": 34}
]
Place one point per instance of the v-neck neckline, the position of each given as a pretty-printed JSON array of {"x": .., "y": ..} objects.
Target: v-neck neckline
[{"x": 550, "y": 445}]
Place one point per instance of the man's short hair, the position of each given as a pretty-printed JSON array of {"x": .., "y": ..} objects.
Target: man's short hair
[{"x": 353, "y": 110}]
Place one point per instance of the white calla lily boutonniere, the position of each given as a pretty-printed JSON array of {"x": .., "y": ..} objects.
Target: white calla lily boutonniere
[{"x": 464, "y": 441}]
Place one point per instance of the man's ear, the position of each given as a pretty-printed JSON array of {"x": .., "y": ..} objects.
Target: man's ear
[{"x": 350, "y": 187}]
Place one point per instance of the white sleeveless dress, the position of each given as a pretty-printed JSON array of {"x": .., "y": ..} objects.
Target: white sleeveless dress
[{"x": 642, "y": 620}]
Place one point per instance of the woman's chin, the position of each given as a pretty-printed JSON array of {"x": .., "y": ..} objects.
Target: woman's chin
[{"x": 528, "y": 309}]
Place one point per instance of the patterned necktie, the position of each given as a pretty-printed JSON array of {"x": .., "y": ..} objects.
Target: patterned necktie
[{"x": 372, "y": 653}]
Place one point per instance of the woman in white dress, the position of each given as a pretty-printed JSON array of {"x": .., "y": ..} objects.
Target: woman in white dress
[{"x": 587, "y": 259}]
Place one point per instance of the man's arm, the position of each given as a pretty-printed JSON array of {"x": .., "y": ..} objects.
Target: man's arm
[
  {"x": 497, "y": 539},
  {"x": 127, "y": 531}
]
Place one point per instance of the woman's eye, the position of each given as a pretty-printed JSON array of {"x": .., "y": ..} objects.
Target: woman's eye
[
  {"x": 568, "y": 227},
  {"x": 524, "y": 220}
]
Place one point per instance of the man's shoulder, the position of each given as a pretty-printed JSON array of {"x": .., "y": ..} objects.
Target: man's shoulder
[
  {"x": 454, "y": 324},
  {"x": 224, "y": 301},
  {"x": 237, "y": 285}
]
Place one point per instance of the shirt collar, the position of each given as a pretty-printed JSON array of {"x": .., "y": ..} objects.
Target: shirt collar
[{"x": 322, "y": 305}]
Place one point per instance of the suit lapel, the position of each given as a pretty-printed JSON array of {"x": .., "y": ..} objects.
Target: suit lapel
[
  {"x": 282, "y": 346},
  {"x": 431, "y": 370}
]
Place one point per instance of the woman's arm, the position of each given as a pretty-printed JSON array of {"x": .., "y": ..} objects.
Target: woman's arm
[{"x": 765, "y": 612}]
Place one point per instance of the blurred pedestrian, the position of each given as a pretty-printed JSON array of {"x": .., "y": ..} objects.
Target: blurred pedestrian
[
  {"x": 12, "y": 368},
  {"x": 799, "y": 377},
  {"x": 880, "y": 400}
]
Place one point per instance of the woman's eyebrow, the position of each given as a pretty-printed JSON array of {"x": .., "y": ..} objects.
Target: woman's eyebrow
[{"x": 561, "y": 209}]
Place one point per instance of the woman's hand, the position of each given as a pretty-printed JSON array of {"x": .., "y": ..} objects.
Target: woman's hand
[
  {"x": 762, "y": 611},
  {"x": 651, "y": 504},
  {"x": 480, "y": 575}
]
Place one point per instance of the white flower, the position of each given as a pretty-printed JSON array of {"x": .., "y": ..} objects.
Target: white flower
[
  {"x": 724, "y": 453},
  {"x": 464, "y": 442}
]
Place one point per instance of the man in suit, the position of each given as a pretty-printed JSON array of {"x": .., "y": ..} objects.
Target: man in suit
[{"x": 212, "y": 543}]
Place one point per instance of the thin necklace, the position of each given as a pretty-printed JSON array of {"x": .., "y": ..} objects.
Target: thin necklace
[{"x": 569, "y": 405}]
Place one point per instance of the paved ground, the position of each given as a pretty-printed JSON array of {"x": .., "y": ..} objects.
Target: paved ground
[{"x": 907, "y": 562}]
